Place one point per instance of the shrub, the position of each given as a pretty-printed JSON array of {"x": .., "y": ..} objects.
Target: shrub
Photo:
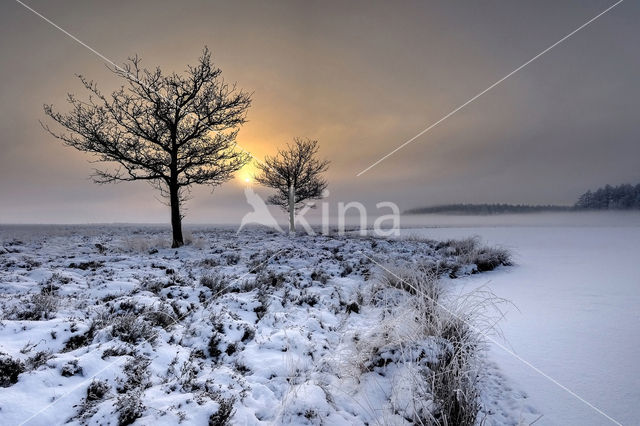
[
  {"x": 215, "y": 282},
  {"x": 40, "y": 306},
  {"x": 153, "y": 285},
  {"x": 305, "y": 298},
  {"x": 231, "y": 349},
  {"x": 80, "y": 340},
  {"x": 137, "y": 375},
  {"x": 97, "y": 390},
  {"x": 347, "y": 269},
  {"x": 71, "y": 368},
  {"x": 10, "y": 369},
  {"x": 117, "y": 351},
  {"x": 93, "y": 265},
  {"x": 263, "y": 307},
  {"x": 130, "y": 329},
  {"x": 39, "y": 359},
  {"x": 214, "y": 341},
  {"x": 249, "y": 334},
  {"x": 489, "y": 258},
  {"x": 30, "y": 263},
  {"x": 320, "y": 276},
  {"x": 470, "y": 251},
  {"x": 209, "y": 262},
  {"x": 232, "y": 258},
  {"x": 459, "y": 248},
  {"x": 51, "y": 285},
  {"x": 222, "y": 417},
  {"x": 161, "y": 318},
  {"x": 129, "y": 408},
  {"x": 259, "y": 261},
  {"x": 268, "y": 278},
  {"x": 353, "y": 307}
]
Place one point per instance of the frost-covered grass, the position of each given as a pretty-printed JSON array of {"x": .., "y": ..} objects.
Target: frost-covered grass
[{"x": 108, "y": 325}]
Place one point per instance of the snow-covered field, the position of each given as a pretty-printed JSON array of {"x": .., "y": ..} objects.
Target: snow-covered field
[
  {"x": 107, "y": 325},
  {"x": 305, "y": 333},
  {"x": 576, "y": 286}
]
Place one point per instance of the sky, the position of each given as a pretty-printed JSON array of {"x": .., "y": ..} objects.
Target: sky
[{"x": 361, "y": 78}]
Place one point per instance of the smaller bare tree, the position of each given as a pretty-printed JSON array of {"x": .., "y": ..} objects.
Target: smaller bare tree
[{"x": 295, "y": 173}]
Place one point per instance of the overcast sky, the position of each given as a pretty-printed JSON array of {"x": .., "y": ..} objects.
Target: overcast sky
[{"x": 361, "y": 78}]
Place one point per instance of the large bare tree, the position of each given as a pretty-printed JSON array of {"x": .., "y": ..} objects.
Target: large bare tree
[
  {"x": 170, "y": 130},
  {"x": 296, "y": 175}
]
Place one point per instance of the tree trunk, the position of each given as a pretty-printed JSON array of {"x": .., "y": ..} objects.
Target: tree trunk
[
  {"x": 176, "y": 219},
  {"x": 292, "y": 209}
]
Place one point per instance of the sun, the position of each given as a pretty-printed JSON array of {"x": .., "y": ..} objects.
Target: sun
[{"x": 245, "y": 174}]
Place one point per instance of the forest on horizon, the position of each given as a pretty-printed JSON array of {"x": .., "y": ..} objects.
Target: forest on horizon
[{"x": 620, "y": 197}]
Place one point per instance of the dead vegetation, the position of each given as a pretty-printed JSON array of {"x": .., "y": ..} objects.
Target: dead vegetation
[{"x": 436, "y": 337}]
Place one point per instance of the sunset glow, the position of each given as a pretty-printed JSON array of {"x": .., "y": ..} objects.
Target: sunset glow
[{"x": 247, "y": 173}]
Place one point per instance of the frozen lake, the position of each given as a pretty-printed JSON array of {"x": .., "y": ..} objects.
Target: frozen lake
[{"x": 576, "y": 284}]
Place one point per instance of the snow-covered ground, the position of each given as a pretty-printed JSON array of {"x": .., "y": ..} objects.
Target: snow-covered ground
[
  {"x": 576, "y": 286},
  {"x": 287, "y": 346},
  {"x": 108, "y": 325}
]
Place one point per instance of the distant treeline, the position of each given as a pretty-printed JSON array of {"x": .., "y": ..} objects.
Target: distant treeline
[
  {"x": 487, "y": 209},
  {"x": 621, "y": 197}
]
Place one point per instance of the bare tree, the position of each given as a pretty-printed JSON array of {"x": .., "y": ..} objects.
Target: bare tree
[
  {"x": 170, "y": 130},
  {"x": 295, "y": 174}
]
